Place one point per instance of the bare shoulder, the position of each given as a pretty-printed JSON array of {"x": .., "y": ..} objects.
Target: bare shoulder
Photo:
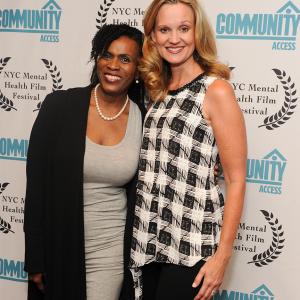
[
  {"x": 220, "y": 100},
  {"x": 220, "y": 90}
]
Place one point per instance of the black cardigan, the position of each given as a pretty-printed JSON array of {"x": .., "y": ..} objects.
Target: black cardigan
[{"x": 53, "y": 220}]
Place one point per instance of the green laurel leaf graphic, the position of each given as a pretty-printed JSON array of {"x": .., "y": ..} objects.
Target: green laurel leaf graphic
[
  {"x": 277, "y": 244},
  {"x": 275, "y": 121}
]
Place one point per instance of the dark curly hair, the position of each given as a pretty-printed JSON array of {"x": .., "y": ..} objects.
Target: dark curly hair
[{"x": 101, "y": 42}]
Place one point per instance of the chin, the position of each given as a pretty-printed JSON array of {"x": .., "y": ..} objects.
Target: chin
[
  {"x": 110, "y": 87},
  {"x": 175, "y": 62},
  {"x": 172, "y": 59},
  {"x": 115, "y": 92}
]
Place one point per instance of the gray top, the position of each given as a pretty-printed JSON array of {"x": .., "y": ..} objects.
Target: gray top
[{"x": 106, "y": 170}]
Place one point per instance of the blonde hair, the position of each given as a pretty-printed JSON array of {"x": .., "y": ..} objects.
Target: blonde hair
[{"x": 156, "y": 72}]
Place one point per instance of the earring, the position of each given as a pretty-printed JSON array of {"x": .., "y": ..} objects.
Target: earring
[{"x": 136, "y": 80}]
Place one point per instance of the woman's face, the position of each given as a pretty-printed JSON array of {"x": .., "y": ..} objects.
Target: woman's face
[
  {"x": 174, "y": 33},
  {"x": 117, "y": 67}
]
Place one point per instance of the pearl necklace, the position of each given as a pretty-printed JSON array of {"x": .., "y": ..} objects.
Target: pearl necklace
[{"x": 100, "y": 111}]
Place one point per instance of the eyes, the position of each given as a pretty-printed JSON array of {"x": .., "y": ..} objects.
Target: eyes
[
  {"x": 106, "y": 55},
  {"x": 166, "y": 29},
  {"x": 125, "y": 59}
]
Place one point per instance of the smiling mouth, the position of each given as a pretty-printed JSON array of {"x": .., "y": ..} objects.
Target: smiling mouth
[
  {"x": 174, "y": 50},
  {"x": 112, "y": 78}
]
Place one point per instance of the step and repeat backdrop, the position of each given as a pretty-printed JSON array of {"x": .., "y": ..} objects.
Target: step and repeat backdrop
[{"x": 45, "y": 46}]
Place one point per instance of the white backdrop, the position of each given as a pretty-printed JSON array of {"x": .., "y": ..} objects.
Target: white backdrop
[{"x": 45, "y": 45}]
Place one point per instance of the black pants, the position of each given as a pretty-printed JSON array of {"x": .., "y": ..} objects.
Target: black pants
[{"x": 169, "y": 282}]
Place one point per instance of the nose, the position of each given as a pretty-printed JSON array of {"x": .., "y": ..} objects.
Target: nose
[
  {"x": 114, "y": 64},
  {"x": 174, "y": 37}
]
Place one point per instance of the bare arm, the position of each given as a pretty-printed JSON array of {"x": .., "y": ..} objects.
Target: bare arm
[{"x": 224, "y": 115}]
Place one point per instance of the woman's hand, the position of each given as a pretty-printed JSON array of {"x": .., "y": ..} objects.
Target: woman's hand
[
  {"x": 218, "y": 171},
  {"x": 212, "y": 274},
  {"x": 37, "y": 278}
]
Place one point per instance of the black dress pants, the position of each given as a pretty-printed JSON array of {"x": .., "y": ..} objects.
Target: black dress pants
[{"x": 169, "y": 282}]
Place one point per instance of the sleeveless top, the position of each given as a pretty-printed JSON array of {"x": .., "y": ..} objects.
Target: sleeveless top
[{"x": 179, "y": 208}]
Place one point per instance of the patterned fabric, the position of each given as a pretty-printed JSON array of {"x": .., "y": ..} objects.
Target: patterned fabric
[{"x": 179, "y": 209}]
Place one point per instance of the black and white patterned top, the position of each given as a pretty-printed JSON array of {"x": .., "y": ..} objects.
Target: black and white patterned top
[{"x": 179, "y": 209}]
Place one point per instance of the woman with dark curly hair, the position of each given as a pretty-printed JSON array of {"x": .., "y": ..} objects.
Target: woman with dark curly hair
[{"x": 82, "y": 160}]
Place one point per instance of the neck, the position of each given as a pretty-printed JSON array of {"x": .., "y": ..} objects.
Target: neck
[
  {"x": 184, "y": 73},
  {"x": 109, "y": 98}
]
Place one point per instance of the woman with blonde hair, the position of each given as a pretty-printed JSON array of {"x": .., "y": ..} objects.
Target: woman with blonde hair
[{"x": 183, "y": 228}]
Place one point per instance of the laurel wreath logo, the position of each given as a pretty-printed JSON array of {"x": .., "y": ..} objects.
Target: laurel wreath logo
[
  {"x": 3, "y": 62},
  {"x": 5, "y": 227},
  {"x": 3, "y": 187},
  {"x": 277, "y": 245},
  {"x": 5, "y": 103},
  {"x": 289, "y": 105},
  {"x": 102, "y": 12},
  {"x": 55, "y": 75}
]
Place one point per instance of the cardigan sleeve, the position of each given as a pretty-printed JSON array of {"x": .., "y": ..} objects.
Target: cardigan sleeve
[{"x": 36, "y": 172}]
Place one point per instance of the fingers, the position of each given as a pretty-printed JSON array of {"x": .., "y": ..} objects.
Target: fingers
[
  {"x": 218, "y": 171},
  {"x": 209, "y": 287},
  {"x": 40, "y": 286},
  {"x": 206, "y": 293},
  {"x": 38, "y": 280},
  {"x": 198, "y": 278},
  {"x": 211, "y": 276}
]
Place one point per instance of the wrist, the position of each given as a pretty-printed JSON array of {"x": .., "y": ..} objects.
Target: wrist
[{"x": 224, "y": 253}]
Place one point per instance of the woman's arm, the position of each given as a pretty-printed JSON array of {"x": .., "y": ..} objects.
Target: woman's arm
[{"x": 222, "y": 112}]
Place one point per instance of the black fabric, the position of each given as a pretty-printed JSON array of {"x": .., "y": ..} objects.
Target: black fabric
[
  {"x": 34, "y": 292},
  {"x": 53, "y": 220},
  {"x": 163, "y": 281}
]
